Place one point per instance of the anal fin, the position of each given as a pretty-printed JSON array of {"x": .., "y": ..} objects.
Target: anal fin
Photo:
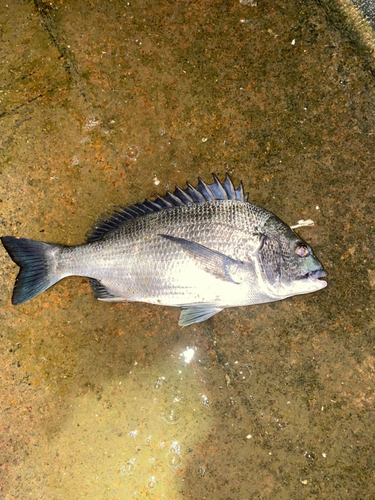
[
  {"x": 103, "y": 293},
  {"x": 197, "y": 313}
]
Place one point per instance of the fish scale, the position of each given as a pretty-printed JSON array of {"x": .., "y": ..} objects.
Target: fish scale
[{"x": 204, "y": 249}]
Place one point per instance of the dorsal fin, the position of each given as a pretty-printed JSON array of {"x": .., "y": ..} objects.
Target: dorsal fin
[{"x": 203, "y": 192}]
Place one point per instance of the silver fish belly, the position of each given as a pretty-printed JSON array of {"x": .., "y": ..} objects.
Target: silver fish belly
[{"x": 203, "y": 249}]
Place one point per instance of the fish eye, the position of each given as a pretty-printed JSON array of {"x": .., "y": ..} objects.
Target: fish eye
[{"x": 301, "y": 250}]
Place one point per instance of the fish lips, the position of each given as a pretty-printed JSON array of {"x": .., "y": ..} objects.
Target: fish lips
[
  {"x": 319, "y": 273},
  {"x": 314, "y": 276}
]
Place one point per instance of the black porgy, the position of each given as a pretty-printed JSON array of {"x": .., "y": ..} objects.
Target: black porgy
[{"x": 202, "y": 248}]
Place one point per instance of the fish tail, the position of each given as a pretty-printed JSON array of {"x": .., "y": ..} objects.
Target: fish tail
[{"x": 36, "y": 260}]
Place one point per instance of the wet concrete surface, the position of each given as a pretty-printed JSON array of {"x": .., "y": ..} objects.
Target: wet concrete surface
[{"x": 104, "y": 103}]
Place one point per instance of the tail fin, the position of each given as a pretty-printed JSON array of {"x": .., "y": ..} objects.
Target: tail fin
[{"x": 35, "y": 259}]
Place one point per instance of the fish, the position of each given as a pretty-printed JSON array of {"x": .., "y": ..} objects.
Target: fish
[{"x": 203, "y": 249}]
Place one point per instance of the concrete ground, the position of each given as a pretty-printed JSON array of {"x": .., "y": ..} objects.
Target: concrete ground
[{"x": 103, "y": 103}]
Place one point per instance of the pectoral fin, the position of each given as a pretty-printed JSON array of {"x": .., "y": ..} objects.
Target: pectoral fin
[
  {"x": 196, "y": 314},
  {"x": 219, "y": 265}
]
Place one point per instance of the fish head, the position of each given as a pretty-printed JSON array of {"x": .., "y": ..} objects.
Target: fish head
[{"x": 287, "y": 263}]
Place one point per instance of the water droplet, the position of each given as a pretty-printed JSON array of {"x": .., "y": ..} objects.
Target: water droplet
[
  {"x": 75, "y": 161},
  {"x": 160, "y": 381},
  {"x": 151, "y": 483},
  {"x": 205, "y": 401},
  {"x": 174, "y": 456},
  {"x": 171, "y": 415},
  {"x": 90, "y": 123},
  {"x": 132, "y": 152},
  {"x": 241, "y": 373},
  {"x": 202, "y": 471},
  {"x": 127, "y": 469}
]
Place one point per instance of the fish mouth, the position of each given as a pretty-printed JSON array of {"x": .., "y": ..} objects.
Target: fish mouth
[{"x": 315, "y": 275}]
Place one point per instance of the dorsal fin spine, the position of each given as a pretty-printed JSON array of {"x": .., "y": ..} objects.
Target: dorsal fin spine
[
  {"x": 184, "y": 197},
  {"x": 162, "y": 202},
  {"x": 174, "y": 199},
  {"x": 195, "y": 194},
  {"x": 205, "y": 190},
  {"x": 229, "y": 188}
]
